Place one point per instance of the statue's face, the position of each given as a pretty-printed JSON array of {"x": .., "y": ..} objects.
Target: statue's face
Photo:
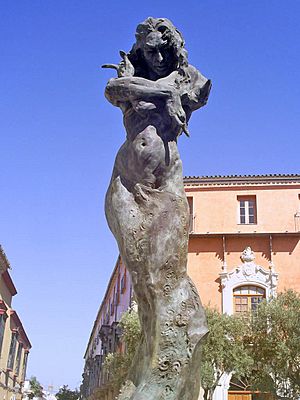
[{"x": 158, "y": 54}]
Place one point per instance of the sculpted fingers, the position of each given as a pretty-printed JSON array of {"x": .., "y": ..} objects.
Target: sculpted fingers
[{"x": 126, "y": 68}]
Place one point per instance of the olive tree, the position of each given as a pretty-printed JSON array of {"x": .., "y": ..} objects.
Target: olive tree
[
  {"x": 117, "y": 364},
  {"x": 276, "y": 345},
  {"x": 225, "y": 350}
]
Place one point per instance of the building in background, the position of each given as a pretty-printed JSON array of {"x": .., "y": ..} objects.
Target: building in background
[
  {"x": 244, "y": 246},
  {"x": 231, "y": 214},
  {"x": 105, "y": 335},
  {"x": 14, "y": 343}
]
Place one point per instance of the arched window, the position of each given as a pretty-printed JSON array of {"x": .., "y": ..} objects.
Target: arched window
[{"x": 247, "y": 298}]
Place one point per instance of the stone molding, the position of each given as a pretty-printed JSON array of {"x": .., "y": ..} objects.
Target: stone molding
[
  {"x": 247, "y": 273},
  {"x": 238, "y": 180}
]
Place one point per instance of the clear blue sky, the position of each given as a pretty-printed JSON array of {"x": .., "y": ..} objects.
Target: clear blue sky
[{"x": 59, "y": 137}]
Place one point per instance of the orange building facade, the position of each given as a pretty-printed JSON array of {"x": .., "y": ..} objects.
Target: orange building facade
[
  {"x": 244, "y": 246},
  {"x": 230, "y": 214}
]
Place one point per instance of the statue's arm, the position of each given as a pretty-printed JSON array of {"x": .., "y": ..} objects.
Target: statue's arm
[
  {"x": 144, "y": 95},
  {"x": 132, "y": 89}
]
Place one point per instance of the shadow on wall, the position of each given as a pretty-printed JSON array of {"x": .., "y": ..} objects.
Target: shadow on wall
[
  {"x": 285, "y": 244},
  {"x": 235, "y": 245},
  {"x": 207, "y": 245}
]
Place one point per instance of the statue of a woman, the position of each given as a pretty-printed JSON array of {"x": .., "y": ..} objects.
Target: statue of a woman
[{"x": 147, "y": 211}]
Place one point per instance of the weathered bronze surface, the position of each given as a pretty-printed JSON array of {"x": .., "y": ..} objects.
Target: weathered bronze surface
[{"x": 147, "y": 209}]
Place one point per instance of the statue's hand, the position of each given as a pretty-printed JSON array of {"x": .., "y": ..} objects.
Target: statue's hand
[
  {"x": 125, "y": 68},
  {"x": 177, "y": 113},
  {"x": 143, "y": 107}
]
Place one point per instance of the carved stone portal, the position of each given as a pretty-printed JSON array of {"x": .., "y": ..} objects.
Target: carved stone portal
[{"x": 147, "y": 210}]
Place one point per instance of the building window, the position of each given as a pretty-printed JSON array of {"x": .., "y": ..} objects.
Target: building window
[
  {"x": 112, "y": 307},
  {"x": 123, "y": 283},
  {"x": 247, "y": 210},
  {"x": 24, "y": 367},
  {"x": 117, "y": 294},
  {"x": 297, "y": 217},
  {"x": 2, "y": 328},
  {"x": 191, "y": 214},
  {"x": 247, "y": 298},
  {"x": 18, "y": 359},
  {"x": 12, "y": 351}
]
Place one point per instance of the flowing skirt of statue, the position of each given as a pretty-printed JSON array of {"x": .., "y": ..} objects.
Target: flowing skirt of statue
[{"x": 147, "y": 211}]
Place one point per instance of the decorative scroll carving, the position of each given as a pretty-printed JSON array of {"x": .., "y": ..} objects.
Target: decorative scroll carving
[
  {"x": 247, "y": 255},
  {"x": 247, "y": 273}
]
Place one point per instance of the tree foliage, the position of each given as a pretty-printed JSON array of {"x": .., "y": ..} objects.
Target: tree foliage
[
  {"x": 225, "y": 350},
  {"x": 117, "y": 364},
  {"x": 276, "y": 345},
  {"x": 36, "y": 389},
  {"x": 65, "y": 393},
  {"x": 262, "y": 348}
]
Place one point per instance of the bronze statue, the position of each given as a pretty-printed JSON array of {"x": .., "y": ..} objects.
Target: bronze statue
[{"x": 147, "y": 211}]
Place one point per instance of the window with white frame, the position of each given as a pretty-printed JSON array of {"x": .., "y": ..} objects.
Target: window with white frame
[
  {"x": 247, "y": 210},
  {"x": 247, "y": 298}
]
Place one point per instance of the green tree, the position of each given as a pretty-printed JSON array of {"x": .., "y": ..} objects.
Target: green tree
[
  {"x": 262, "y": 348},
  {"x": 276, "y": 346},
  {"x": 117, "y": 364},
  {"x": 36, "y": 389},
  {"x": 65, "y": 393},
  {"x": 225, "y": 350}
]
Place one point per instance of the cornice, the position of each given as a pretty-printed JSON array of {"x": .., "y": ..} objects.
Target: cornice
[
  {"x": 18, "y": 325},
  {"x": 241, "y": 180},
  {"x": 9, "y": 283},
  {"x": 245, "y": 234},
  {"x": 4, "y": 263}
]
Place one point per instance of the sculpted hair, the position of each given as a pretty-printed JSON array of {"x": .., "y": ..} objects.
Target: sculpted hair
[{"x": 170, "y": 34}]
